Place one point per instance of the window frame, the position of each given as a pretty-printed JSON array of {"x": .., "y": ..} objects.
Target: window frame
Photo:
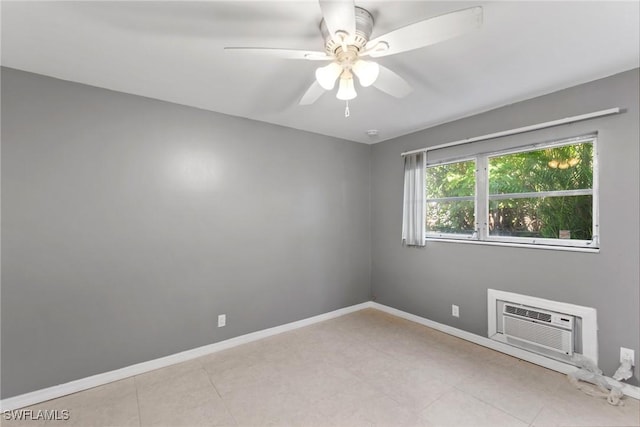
[{"x": 482, "y": 199}]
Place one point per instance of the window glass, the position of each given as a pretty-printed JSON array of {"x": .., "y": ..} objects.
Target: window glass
[
  {"x": 451, "y": 180},
  {"x": 456, "y": 217},
  {"x": 543, "y": 195},
  {"x": 544, "y": 217},
  {"x": 451, "y": 198},
  {"x": 568, "y": 167}
]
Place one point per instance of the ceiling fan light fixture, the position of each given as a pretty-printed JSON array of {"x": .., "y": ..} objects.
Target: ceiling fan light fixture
[
  {"x": 346, "y": 90},
  {"x": 367, "y": 72},
  {"x": 346, "y": 30},
  {"x": 327, "y": 75}
]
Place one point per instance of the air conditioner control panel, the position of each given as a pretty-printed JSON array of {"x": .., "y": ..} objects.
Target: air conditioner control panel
[{"x": 564, "y": 321}]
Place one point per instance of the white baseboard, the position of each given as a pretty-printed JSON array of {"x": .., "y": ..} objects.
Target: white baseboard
[
  {"x": 54, "y": 392},
  {"x": 627, "y": 389}
]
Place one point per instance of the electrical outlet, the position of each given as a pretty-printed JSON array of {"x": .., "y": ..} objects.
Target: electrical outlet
[
  {"x": 222, "y": 320},
  {"x": 455, "y": 310},
  {"x": 627, "y": 353}
]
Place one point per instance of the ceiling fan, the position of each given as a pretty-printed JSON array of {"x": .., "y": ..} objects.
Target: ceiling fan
[{"x": 346, "y": 30}]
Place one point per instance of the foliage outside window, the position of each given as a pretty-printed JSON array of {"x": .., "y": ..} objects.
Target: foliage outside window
[{"x": 544, "y": 195}]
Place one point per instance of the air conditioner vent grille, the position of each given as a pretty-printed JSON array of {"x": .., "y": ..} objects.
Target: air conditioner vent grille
[
  {"x": 533, "y": 314},
  {"x": 542, "y": 335}
]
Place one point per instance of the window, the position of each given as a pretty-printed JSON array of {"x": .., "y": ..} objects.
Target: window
[
  {"x": 541, "y": 195},
  {"x": 451, "y": 194}
]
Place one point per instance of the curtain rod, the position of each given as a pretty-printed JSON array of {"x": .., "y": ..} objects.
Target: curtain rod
[{"x": 529, "y": 128}]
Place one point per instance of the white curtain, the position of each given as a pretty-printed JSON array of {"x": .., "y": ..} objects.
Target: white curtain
[{"x": 414, "y": 211}]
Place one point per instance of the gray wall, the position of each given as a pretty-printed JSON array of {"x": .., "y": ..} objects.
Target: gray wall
[
  {"x": 129, "y": 224},
  {"x": 427, "y": 281}
]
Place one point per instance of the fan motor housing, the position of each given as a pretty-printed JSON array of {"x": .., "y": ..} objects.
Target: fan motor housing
[{"x": 364, "y": 27}]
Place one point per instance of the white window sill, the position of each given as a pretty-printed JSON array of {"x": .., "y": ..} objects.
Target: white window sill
[{"x": 516, "y": 245}]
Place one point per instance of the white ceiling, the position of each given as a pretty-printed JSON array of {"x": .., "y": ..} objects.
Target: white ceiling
[{"x": 173, "y": 51}]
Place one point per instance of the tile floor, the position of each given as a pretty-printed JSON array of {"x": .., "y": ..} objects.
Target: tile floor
[{"x": 363, "y": 369}]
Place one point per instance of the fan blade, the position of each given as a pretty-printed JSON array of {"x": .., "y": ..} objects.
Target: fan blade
[
  {"x": 392, "y": 84},
  {"x": 280, "y": 53},
  {"x": 312, "y": 94},
  {"x": 427, "y": 32},
  {"x": 339, "y": 15}
]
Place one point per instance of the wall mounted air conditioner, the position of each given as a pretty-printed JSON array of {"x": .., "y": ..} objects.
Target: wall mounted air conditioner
[
  {"x": 536, "y": 327},
  {"x": 549, "y": 328}
]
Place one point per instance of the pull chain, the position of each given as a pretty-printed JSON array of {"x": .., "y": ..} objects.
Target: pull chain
[{"x": 346, "y": 110}]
